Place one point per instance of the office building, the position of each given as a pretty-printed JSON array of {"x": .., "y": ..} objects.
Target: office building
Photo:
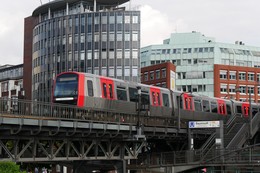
[
  {"x": 208, "y": 67},
  {"x": 93, "y": 36},
  {"x": 11, "y": 84}
]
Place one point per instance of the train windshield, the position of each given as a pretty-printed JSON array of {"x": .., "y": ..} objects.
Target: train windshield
[{"x": 66, "y": 86}]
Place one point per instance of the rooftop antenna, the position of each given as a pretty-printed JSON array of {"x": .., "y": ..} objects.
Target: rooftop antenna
[{"x": 41, "y": 2}]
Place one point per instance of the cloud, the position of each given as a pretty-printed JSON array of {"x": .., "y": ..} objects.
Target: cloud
[
  {"x": 11, "y": 29},
  {"x": 155, "y": 26}
]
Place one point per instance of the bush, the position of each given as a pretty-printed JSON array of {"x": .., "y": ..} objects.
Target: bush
[{"x": 9, "y": 167}]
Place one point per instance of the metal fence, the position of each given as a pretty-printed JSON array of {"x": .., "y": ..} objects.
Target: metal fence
[
  {"x": 249, "y": 155},
  {"x": 28, "y": 108}
]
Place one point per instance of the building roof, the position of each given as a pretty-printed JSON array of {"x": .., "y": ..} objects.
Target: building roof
[{"x": 57, "y": 4}]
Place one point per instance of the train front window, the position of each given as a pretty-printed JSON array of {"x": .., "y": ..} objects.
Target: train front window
[{"x": 66, "y": 86}]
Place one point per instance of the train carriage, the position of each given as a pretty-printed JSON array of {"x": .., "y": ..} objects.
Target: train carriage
[{"x": 89, "y": 91}]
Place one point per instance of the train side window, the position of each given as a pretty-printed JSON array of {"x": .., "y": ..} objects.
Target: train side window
[
  {"x": 205, "y": 104},
  {"x": 239, "y": 109},
  {"x": 165, "y": 100},
  {"x": 197, "y": 104},
  {"x": 105, "y": 89},
  {"x": 228, "y": 109},
  {"x": 121, "y": 94},
  {"x": 214, "y": 107},
  {"x": 254, "y": 111},
  {"x": 145, "y": 100},
  {"x": 133, "y": 95},
  {"x": 90, "y": 88},
  {"x": 110, "y": 91}
]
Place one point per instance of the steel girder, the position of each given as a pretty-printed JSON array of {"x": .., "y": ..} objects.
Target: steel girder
[{"x": 41, "y": 150}]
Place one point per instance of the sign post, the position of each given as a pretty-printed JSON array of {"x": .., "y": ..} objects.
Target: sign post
[{"x": 207, "y": 124}]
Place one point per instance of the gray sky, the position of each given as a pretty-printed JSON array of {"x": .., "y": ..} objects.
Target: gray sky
[{"x": 226, "y": 20}]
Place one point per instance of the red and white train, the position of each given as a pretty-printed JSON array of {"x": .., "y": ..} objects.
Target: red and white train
[{"x": 102, "y": 93}]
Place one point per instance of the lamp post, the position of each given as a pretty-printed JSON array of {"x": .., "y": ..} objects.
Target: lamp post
[
  {"x": 139, "y": 106},
  {"x": 250, "y": 114},
  {"x": 138, "y": 126}
]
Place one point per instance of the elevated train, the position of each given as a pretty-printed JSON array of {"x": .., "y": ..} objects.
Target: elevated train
[{"x": 102, "y": 93}]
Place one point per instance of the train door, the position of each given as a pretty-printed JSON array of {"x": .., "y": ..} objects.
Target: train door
[
  {"x": 107, "y": 87},
  {"x": 222, "y": 107},
  {"x": 155, "y": 96},
  {"x": 245, "y": 109},
  {"x": 188, "y": 101}
]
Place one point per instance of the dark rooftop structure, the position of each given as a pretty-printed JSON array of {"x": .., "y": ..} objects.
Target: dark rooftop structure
[{"x": 58, "y": 4}]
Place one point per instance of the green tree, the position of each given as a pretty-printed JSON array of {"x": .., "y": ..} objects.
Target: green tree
[{"x": 9, "y": 167}]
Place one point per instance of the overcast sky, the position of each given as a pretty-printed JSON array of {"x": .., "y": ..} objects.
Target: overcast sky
[{"x": 225, "y": 20}]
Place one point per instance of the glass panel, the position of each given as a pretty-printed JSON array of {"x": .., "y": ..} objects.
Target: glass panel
[
  {"x": 206, "y": 106},
  {"x": 197, "y": 104},
  {"x": 214, "y": 107},
  {"x": 105, "y": 89},
  {"x": 133, "y": 94},
  {"x": 90, "y": 88},
  {"x": 165, "y": 100},
  {"x": 111, "y": 91},
  {"x": 121, "y": 94}
]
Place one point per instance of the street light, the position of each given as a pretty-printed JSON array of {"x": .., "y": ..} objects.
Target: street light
[
  {"x": 138, "y": 126},
  {"x": 250, "y": 113},
  {"x": 139, "y": 106}
]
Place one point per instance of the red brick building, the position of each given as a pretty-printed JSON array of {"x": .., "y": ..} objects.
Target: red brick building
[
  {"x": 231, "y": 82},
  {"x": 237, "y": 82},
  {"x": 162, "y": 75}
]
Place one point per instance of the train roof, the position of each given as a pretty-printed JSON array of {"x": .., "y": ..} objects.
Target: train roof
[{"x": 116, "y": 80}]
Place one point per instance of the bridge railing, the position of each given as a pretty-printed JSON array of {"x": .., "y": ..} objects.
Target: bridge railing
[
  {"x": 28, "y": 108},
  {"x": 247, "y": 155}
]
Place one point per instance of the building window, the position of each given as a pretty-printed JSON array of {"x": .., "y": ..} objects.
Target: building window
[
  {"x": 164, "y": 73},
  {"x": 194, "y": 88},
  {"x": 184, "y": 75},
  {"x": 157, "y": 74},
  {"x": 223, "y": 74},
  {"x": 251, "y": 89},
  {"x": 223, "y": 88},
  {"x": 151, "y": 75},
  {"x": 184, "y": 88},
  {"x": 242, "y": 89},
  {"x": 251, "y": 76},
  {"x": 4, "y": 87},
  {"x": 232, "y": 75},
  {"x": 242, "y": 76},
  {"x": 146, "y": 76},
  {"x": 232, "y": 88},
  {"x": 178, "y": 75},
  {"x": 258, "y": 77},
  {"x": 164, "y": 84},
  {"x": 258, "y": 91}
]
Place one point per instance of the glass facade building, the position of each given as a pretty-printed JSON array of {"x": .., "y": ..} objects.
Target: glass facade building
[{"x": 85, "y": 36}]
